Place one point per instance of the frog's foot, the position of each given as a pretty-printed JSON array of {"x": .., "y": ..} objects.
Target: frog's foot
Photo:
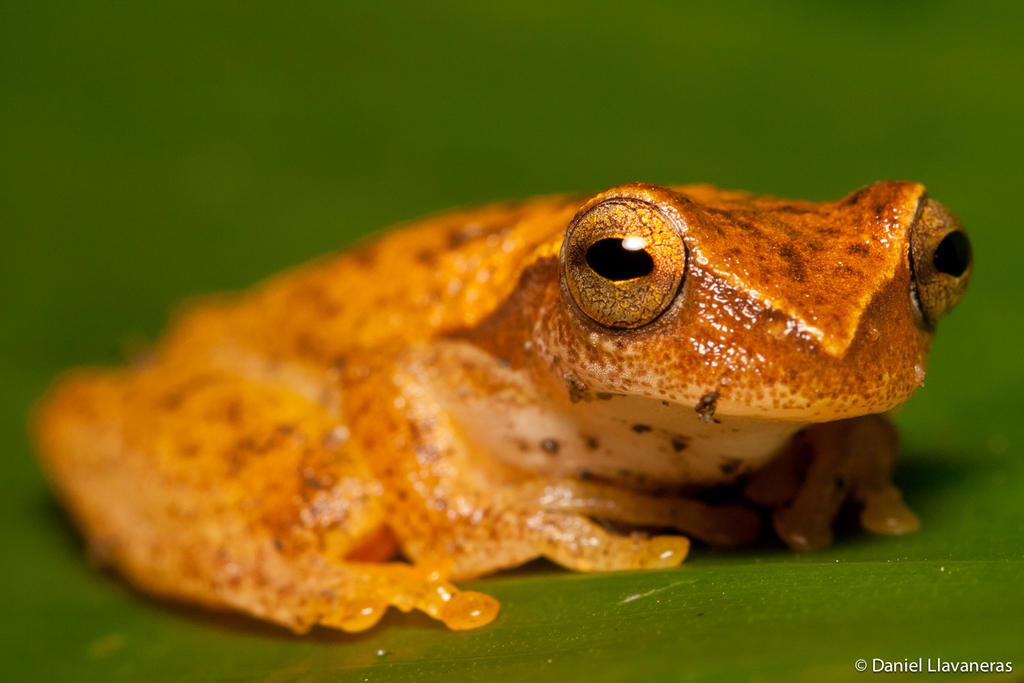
[
  {"x": 850, "y": 459},
  {"x": 359, "y": 595},
  {"x": 726, "y": 524},
  {"x": 300, "y": 592}
]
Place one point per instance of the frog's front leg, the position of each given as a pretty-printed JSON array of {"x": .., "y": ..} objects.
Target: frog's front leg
[
  {"x": 725, "y": 524},
  {"x": 844, "y": 460},
  {"x": 481, "y": 528},
  {"x": 453, "y": 503}
]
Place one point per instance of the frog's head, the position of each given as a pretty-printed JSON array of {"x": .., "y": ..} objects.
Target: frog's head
[{"x": 769, "y": 308}]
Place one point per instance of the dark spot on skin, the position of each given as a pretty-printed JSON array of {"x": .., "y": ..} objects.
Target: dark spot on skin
[
  {"x": 748, "y": 227},
  {"x": 550, "y": 446},
  {"x": 794, "y": 265},
  {"x": 591, "y": 442},
  {"x": 365, "y": 257},
  {"x": 456, "y": 238},
  {"x": 578, "y": 391},
  {"x": 278, "y": 545},
  {"x": 855, "y": 197},
  {"x": 585, "y": 475},
  {"x": 426, "y": 257},
  {"x": 729, "y": 466},
  {"x": 666, "y": 404},
  {"x": 313, "y": 482},
  {"x": 504, "y": 363},
  {"x": 879, "y": 212},
  {"x": 285, "y": 429},
  {"x": 640, "y": 429},
  {"x": 247, "y": 443},
  {"x": 177, "y": 396},
  {"x": 706, "y": 406},
  {"x": 679, "y": 443},
  {"x": 791, "y": 208},
  {"x": 307, "y": 345},
  {"x": 233, "y": 412},
  {"x": 859, "y": 249},
  {"x": 416, "y": 431},
  {"x": 604, "y": 395}
]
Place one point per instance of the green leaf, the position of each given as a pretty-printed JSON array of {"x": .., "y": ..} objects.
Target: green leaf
[{"x": 154, "y": 154}]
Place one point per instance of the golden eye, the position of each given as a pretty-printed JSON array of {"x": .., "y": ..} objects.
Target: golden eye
[
  {"x": 623, "y": 262},
  {"x": 940, "y": 257}
]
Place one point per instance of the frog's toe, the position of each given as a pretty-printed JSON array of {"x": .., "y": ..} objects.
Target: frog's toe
[
  {"x": 355, "y": 616},
  {"x": 468, "y": 609},
  {"x": 885, "y": 512},
  {"x": 661, "y": 552},
  {"x": 803, "y": 532}
]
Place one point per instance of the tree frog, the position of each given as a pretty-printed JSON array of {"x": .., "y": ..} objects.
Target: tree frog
[{"x": 593, "y": 380}]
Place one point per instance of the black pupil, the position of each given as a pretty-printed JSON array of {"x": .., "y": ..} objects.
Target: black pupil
[
  {"x": 953, "y": 254},
  {"x": 612, "y": 261}
]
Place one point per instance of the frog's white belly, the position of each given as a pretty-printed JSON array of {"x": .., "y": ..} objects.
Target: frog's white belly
[{"x": 640, "y": 442}]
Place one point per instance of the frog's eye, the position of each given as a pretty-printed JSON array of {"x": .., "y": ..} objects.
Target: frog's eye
[
  {"x": 940, "y": 257},
  {"x": 623, "y": 262}
]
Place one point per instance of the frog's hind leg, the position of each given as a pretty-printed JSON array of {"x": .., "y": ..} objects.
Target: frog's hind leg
[{"x": 208, "y": 488}]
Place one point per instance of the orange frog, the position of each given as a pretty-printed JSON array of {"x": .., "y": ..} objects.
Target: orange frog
[{"x": 564, "y": 377}]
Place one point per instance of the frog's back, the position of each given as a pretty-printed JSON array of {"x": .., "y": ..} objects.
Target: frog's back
[{"x": 441, "y": 274}]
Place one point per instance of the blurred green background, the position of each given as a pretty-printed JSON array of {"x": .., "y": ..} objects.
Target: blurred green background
[{"x": 155, "y": 151}]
